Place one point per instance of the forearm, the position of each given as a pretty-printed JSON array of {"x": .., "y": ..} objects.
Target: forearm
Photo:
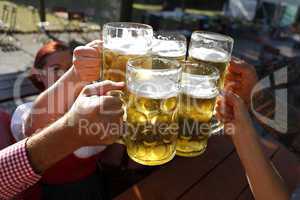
[
  {"x": 54, "y": 102},
  {"x": 22, "y": 163},
  {"x": 264, "y": 180},
  {"x": 51, "y": 145}
]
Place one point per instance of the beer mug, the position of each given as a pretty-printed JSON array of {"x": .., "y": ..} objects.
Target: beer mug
[
  {"x": 152, "y": 87},
  {"x": 121, "y": 41},
  {"x": 214, "y": 49},
  {"x": 169, "y": 45},
  {"x": 199, "y": 89}
]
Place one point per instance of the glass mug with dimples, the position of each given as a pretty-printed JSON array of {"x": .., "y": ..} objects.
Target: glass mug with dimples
[
  {"x": 151, "y": 101},
  {"x": 213, "y": 49},
  {"x": 122, "y": 41},
  {"x": 199, "y": 90},
  {"x": 169, "y": 45}
]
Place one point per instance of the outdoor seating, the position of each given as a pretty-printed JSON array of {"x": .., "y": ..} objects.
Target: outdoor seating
[
  {"x": 169, "y": 54},
  {"x": 4, "y": 18},
  {"x": 9, "y": 81},
  {"x": 76, "y": 20},
  {"x": 8, "y": 25},
  {"x": 220, "y": 162}
]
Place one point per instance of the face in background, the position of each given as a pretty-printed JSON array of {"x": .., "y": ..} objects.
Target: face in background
[{"x": 55, "y": 65}]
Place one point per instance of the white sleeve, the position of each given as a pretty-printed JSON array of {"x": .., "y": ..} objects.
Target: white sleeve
[
  {"x": 17, "y": 125},
  {"x": 88, "y": 151}
]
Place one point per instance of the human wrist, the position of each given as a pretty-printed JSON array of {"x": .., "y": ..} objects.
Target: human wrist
[
  {"x": 244, "y": 138},
  {"x": 77, "y": 81},
  {"x": 69, "y": 127},
  {"x": 75, "y": 75},
  {"x": 50, "y": 145}
]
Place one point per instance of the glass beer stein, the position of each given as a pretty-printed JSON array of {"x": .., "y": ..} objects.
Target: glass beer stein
[
  {"x": 121, "y": 41},
  {"x": 214, "y": 49},
  {"x": 153, "y": 86},
  {"x": 199, "y": 89},
  {"x": 169, "y": 45}
]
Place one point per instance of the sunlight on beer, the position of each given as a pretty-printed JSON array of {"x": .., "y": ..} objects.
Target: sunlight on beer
[
  {"x": 151, "y": 111},
  {"x": 122, "y": 41},
  {"x": 199, "y": 89},
  {"x": 215, "y": 57}
]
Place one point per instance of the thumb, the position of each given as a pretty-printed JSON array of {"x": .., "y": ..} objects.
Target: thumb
[{"x": 101, "y": 88}]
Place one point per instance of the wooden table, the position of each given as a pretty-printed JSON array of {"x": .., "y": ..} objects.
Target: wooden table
[{"x": 215, "y": 175}]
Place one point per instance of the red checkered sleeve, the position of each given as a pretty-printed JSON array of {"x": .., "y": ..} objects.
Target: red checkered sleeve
[{"x": 16, "y": 173}]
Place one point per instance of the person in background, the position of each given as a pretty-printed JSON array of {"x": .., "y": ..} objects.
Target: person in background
[
  {"x": 23, "y": 164},
  {"x": 76, "y": 176},
  {"x": 51, "y": 62}
]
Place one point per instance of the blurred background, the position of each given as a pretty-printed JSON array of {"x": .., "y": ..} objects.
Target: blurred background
[
  {"x": 272, "y": 24},
  {"x": 266, "y": 34}
]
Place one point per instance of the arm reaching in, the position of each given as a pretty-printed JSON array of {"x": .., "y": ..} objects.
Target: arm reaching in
[
  {"x": 22, "y": 162},
  {"x": 263, "y": 178},
  {"x": 56, "y": 100}
]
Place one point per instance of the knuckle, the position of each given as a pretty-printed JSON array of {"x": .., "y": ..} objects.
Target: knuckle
[
  {"x": 78, "y": 50},
  {"x": 107, "y": 82},
  {"x": 76, "y": 61},
  {"x": 87, "y": 88}
]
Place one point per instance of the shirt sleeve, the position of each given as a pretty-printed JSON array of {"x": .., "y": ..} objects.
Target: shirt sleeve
[
  {"x": 88, "y": 151},
  {"x": 16, "y": 173},
  {"x": 17, "y": 125}
]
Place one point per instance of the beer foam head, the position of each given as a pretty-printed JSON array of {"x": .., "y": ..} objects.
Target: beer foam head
[
  {"x": 210, "y": 55},
  {"x": 199, "y": 86},
  {"x": 168, "y": 48},
  {"x": 128, "y": 46},
  {"x": 154, "y": 86},
  {"x": 127, "y": 38}
]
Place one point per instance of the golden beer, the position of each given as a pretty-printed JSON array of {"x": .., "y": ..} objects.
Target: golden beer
[
  {"x": 122, "y": 41},
  {"x": 152, "y": 129},
  {"x": 199, "y": 90},
  {"x": 217, "y": 58},
  {"x": 195, "y": 114},
  {"x": 151, "y": 108},
  {"x": 212, "y": 49},
  {"x": 114, "y": 64}
]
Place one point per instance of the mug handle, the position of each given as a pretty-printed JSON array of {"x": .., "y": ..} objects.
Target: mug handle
[{"x": 119, "y": 94}]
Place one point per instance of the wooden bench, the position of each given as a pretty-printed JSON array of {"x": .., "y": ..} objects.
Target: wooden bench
[
  {"x": 217, "y": 174},
  {"x": 16, "y": 85}
]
